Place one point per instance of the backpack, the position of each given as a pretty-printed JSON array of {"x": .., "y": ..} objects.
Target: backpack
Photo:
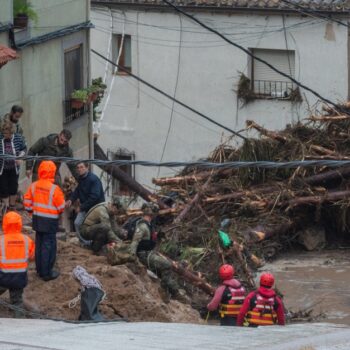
[{"x": 130, "y": 227}]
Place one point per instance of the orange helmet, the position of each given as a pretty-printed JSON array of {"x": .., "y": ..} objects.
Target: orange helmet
[
  {"x": 267, "y": 280},
  {"x": 226, "y": 272}
]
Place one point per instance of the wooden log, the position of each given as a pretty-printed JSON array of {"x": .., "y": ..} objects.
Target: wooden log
[
  {"x": 190, "y": 276},
  {"x": 268, "y": 133},
  {"x": 138, "y": 212},
  {"x": 261, "y": 233},
  {"x": 189, "y": 179},
  {"x": 123, "y": 177},
  {"x": 314, "y": 200},
  {"x": 328, "y": 176},
  {"x": 192, "y": 203},
  {"x": 328, "y": 118}
]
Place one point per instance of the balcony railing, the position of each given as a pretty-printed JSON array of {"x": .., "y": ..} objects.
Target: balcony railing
[
  {"x": 273, "y": 89},
  {"x": 71, "y": 113}
]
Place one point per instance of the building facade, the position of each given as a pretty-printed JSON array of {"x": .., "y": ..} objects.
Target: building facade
[
  {"x": 54, "y": 60},
  {"x": 202, "y": 70}
]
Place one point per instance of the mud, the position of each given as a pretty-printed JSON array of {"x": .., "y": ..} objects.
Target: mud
[
  {"x": 131, "y": 293},
  {"x": 317, "y": 280}
]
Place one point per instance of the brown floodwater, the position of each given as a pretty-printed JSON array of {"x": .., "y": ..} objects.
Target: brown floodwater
[{"x": 317, "y": 280}]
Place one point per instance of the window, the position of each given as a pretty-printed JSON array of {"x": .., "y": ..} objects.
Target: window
[
  {"x": 73, "y": 70},
  {"x": 125, "y": 54},
  {"x": 266, "y": 83},
  {"x": 119, "y": 188},
  {"x": 73, "y": 80}
]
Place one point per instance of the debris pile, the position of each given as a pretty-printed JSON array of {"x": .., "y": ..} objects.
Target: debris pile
[{"x": 269, "y": 209}]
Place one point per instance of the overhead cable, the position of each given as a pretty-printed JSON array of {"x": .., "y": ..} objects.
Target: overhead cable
[
  {"x": 318, "y": 14},
  {"x": 199, "y": 163},
  {"x": 249, "y": 53},
  {"x": 169, "y": 96}
]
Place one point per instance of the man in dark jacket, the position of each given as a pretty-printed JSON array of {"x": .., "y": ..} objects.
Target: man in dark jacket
[
  {"x": 89, "y": 192},
  {"x": 56, "y": 145}
]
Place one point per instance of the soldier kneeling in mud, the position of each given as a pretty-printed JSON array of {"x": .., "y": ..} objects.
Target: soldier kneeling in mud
[
  {"x": 99, "y": 226},
  {"x": 143, "y": 241}
]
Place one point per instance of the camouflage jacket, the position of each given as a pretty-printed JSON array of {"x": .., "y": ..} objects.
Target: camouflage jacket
[
  {"x": 142, "y": 233},
  {"x": 100, "y": 214}
]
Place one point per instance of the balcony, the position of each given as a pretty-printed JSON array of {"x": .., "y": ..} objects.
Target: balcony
[
  {"x": 280, "y": 90},
  {"x": 71, "y": 113}
]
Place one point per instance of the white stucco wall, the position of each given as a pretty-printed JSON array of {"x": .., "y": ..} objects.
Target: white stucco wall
[
  {"x": 137, "y": 118},
  {"x": 5, "y": 11}
]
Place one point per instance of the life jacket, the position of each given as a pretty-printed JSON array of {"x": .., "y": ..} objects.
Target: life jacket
[
  {"x": 262, "y": 310},
  {"x": 231, "y": 301},
  {"x": 145, "y": 244}
]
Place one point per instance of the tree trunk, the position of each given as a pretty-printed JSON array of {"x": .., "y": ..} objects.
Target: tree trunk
[
  {"x": 192, "y": 202},
  {"x": 123, "y": 177},
  {"x": 190, "y": 276},
  {"x": 332, "y": 175},
  {"x": 328, "y": 118},
  {"x": 268, "y": 133},
  {"x": 189, "y": 179}
]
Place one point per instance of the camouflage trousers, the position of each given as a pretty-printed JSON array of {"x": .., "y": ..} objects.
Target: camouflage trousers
[
  {"x": 99, "y": 234},
  {"x": 162, "y": 268},
  {"x": 16, "y": 299}
]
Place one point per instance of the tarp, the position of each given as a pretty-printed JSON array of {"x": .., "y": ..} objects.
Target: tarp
[{"x": 6, "y": 55}]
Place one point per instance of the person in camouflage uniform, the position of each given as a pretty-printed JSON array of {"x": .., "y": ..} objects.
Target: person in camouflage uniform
[
  {"x": 56, "y": 145},
  {"x": 142, "y": 246},
  {"x": 14, "y": 116},
  {"x": 100, "y": 227}
]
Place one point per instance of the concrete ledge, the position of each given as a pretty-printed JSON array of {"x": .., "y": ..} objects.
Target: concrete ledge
[{"x": 42, "y": 334}]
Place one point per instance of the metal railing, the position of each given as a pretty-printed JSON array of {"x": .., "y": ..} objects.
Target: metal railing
[
  {"x": 272, "y": 89},
  {"x": 71, "y": 113}
]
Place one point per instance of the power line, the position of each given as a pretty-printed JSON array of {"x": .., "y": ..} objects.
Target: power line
[
  {"x": 200, "y": 163},
  {"x": 309, "y": 11},
  {"x": 176, "y": 8},
  {"x": 168, "y": 96}
]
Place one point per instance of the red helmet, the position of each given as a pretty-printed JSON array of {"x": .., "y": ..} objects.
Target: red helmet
[
  {"x": 267, "y": 280},
  {"x": 226, "y": 272}
]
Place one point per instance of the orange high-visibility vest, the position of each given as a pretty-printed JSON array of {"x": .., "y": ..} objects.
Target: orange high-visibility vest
[
  {"x": 15, "y": 251},
  {"x": 44, "y": 199}
]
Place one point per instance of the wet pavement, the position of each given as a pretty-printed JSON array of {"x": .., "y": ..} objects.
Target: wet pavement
[{"x": 317, "y": 280}]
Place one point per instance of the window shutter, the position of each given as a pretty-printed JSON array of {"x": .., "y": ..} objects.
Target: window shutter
[{"x": 281, "y": 59}]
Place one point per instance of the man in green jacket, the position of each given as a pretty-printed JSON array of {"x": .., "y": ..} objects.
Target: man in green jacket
[
  {"x": 100, "y": 227},
  {"x": 56, "y": 145}
]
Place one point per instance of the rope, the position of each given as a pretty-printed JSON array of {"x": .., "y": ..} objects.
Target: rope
[{"x": 86, "y": 280}]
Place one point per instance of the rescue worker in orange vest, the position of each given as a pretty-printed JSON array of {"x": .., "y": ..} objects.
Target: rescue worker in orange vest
[
  {"x": 228, "y": 297},
  {"x": 15, "y": 251},
  {"x": 262, "y": 307},
  {"x": 46, "y": 201}
]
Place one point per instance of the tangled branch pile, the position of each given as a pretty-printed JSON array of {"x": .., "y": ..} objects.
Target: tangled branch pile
[{"x": 270, "y": 209}]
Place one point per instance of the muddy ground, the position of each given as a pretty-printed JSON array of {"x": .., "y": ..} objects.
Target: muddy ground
[{"x": 131, "y": 293}]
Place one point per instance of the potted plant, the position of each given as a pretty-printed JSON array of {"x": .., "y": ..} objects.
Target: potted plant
[
  {"x": 93, "y": 93},
  {"x": 79, "y": 98},
  {"x": 22, "y": 11},
  {"x": 99, "y": 85}
]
